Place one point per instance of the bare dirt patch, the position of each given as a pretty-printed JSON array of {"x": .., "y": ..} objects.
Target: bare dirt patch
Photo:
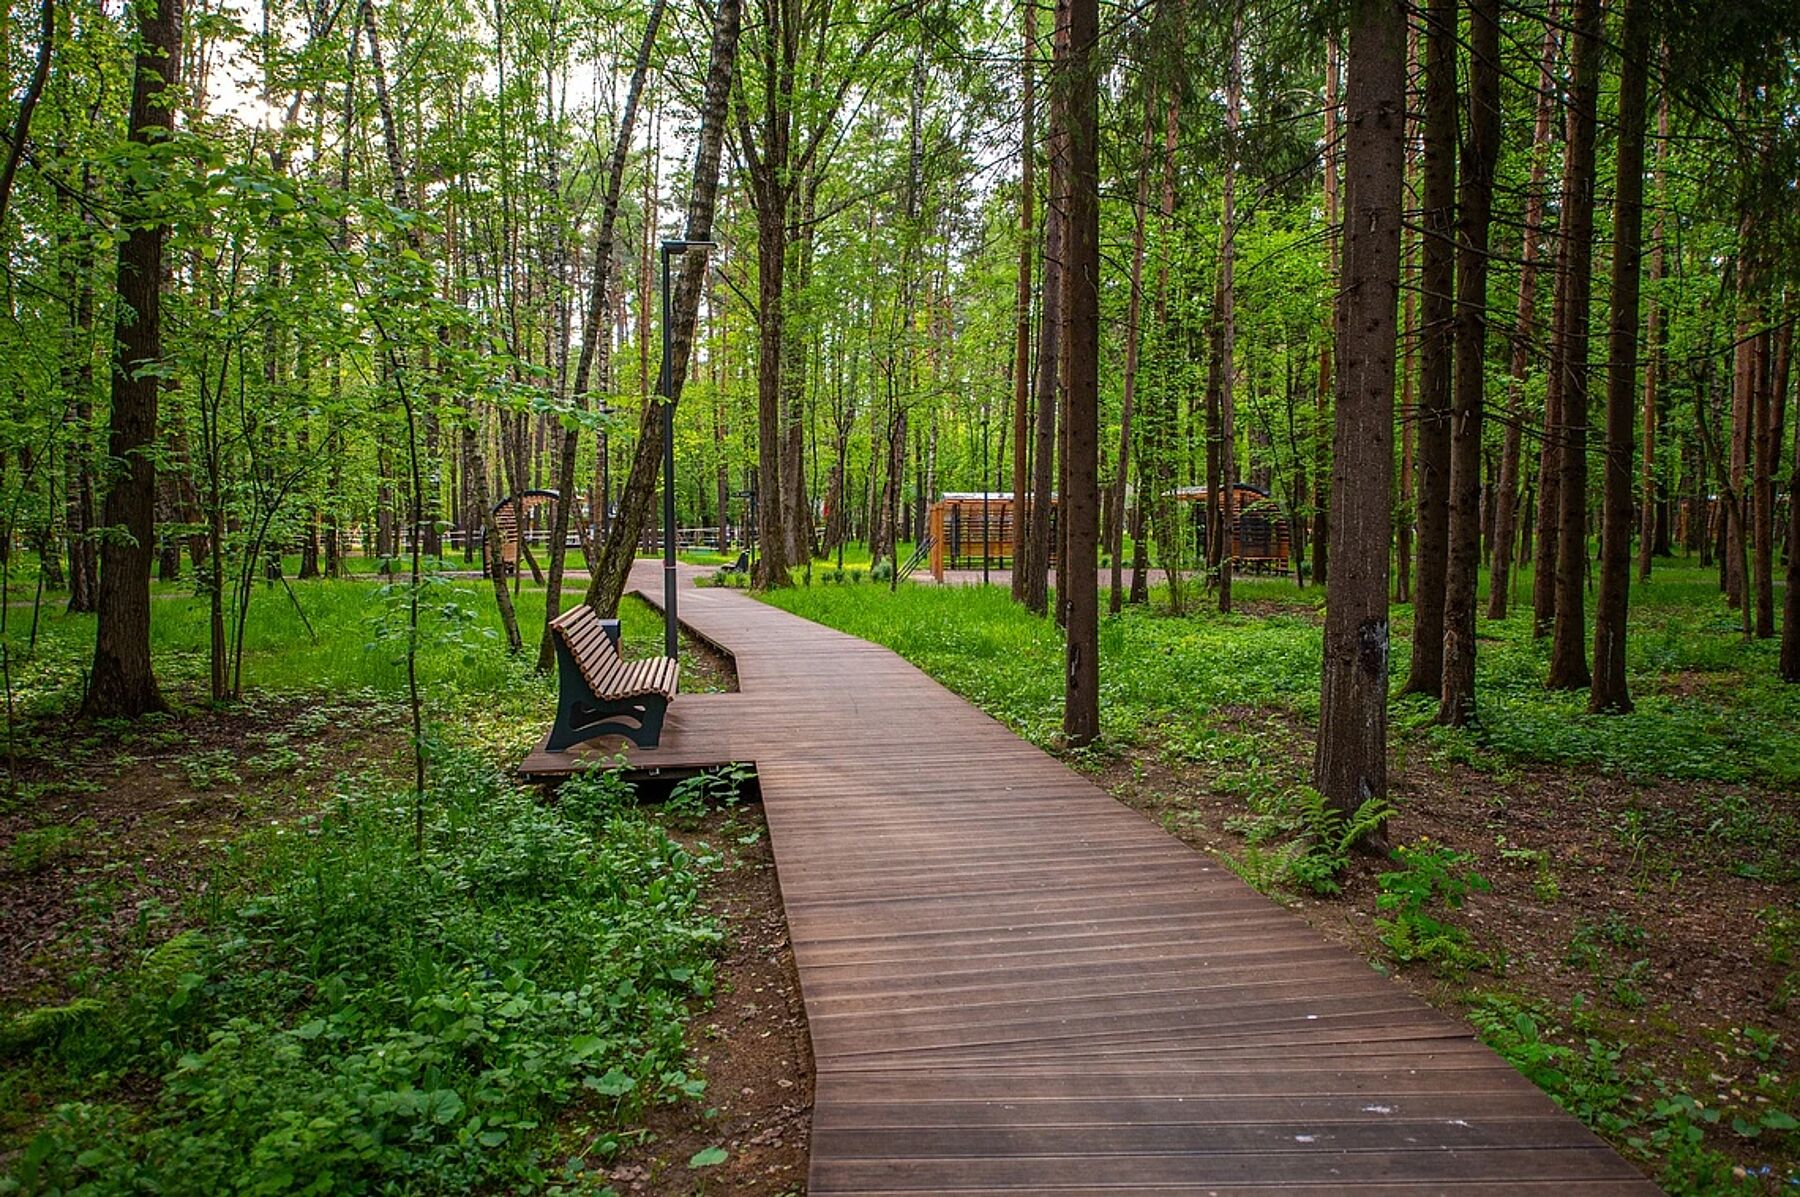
[
  {"x": 750, "y": 1044},
  {"x": 106, "y": 832}
]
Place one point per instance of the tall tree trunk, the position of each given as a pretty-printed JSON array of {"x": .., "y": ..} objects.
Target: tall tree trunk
[
  {"x": 34, "y": 88},
  {"x": 1569, "y": 356},
  {"x": 475, "y": 469},
  {"x": 1350, "y": 764},
  {"x": 1765, "y": 443},
  {"x": 1078, "y": 572},
  {"x": 1648, "y": 493},
  {"x": 1128, "y": 400},
  {"x": 1608, "y": 690},
  {"x": 122, "y": 684},
  {"x": 1228, "y": 546},
  {"x": 84, "y": 559},
  {"x": 608, "y": 582},
  {"x": 592, "y": 332},
  {"x": 1550, "y": 448},
  {"x": 796, "y": 503},
  {"x": 1431, "y": 486},
  {"x": 1021, "y": 459},
  {"x": 1321, "y": 534},
  {"x": 1049, "y": 360},
  {"x": 1475, "y": 203},
  {"x": 1790, "y": 603}
]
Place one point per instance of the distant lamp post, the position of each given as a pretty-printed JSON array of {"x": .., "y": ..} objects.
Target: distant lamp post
[
  {"x": 666, "y": 388},
  {"x": 986, "y": 483}
]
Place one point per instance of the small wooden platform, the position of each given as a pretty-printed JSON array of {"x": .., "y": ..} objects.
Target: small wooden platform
[{"x": 1014, "y": 984}]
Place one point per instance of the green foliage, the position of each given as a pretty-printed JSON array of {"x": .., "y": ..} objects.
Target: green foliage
[
  {"x": 353, "y": 1018},
  {"x": 39, "y": 847},
  {"x": 1176, "y": 681},
  {"x": 1318, "y": 853},
  {"x": 30, "y": 1029},
  {"x": 1431, "y": 876}
]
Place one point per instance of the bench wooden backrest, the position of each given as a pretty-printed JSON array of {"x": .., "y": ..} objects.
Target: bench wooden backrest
[{"x": 592, "y": 647}]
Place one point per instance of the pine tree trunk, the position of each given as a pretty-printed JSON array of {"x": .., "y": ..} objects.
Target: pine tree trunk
[
  {"x": 1128, "y": 400},
  {"x": 1321, "y": 533},
  {"x": 1456, "y": 699},
  {"x": 1078, "y": 572},
  {"x": 1350, "y": 765},
  {"x": 122, "y": 683},
  {"x": 1649, "y": 521},
  {"x": 608, "y": 582},
  {"x": 1431, "y": 455},
  {"x": 1569, "y": 355},
  {"x": 1228, "y": 545},
  {"x": 1021, "y": 459},
  {"x": 1765, "y": 443},
  {"x": 1509, "y": 526},
  {"x": 1608, "y": 690},
  {"x": 1050, "y": 334},
  {"x": 1790, "y": 603}
]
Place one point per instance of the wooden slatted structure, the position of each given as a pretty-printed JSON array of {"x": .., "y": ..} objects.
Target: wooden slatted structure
[
  {"x": 513, "y": 516},
  {"x": 1260, "y": 537},
  {"x": 1014, "y": 984}
]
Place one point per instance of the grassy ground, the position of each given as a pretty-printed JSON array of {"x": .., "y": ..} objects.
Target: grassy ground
[
  {"x": 238, "y": 954},
  {"x": 1613, "y": 902}
]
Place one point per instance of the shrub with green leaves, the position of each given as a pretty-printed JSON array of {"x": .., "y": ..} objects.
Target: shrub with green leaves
[
  {"x": 1430, "y": 877},
  {"x": 354, "y": 1017}
]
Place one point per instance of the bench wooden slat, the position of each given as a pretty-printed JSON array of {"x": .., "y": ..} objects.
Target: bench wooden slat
[{"x": 638, "y": 690}]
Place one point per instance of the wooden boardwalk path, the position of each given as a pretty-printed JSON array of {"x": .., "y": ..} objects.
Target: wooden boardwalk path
[{"x": 1015, "y": 984}]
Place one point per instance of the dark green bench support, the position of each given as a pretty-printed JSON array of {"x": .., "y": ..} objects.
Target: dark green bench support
[{"x": 599, "y": 693}]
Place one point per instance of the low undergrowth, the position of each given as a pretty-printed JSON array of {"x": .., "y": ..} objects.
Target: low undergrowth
[{"x": 343, "y": 1014}]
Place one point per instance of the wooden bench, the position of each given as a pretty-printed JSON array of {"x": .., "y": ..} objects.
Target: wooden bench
[{"x": 599, "y": 693}]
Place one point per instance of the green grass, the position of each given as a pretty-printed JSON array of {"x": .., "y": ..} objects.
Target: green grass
[
  {"x": 356, "y": 646},
  {"x": 1709, "y": 706}
]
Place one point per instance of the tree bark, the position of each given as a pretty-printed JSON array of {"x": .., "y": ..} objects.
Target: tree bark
[
  {"x": 122, "y": 683},
  {"x": 1234, "y": 87},
  {"x": 1608, "y": 690},
  {"x": 592, "y": 332},
  {"x": 1021, "y": 460},
  {"x": 608, "y": 582},
  {"x": 1765, "y": 444},
  {"x": 1648, "y": 497},
  {"x": 1321, "y": 532},
  {"x": 1790, "y": 603},
  {"x": 1456, "y": 699},
  {"x": 1050, "y": 350},
  {"x": 1077, "y": 573},
  {"x": 1512, "y": 443},
  {"x": 1350, "y": 764},
  {"x": 1569, "y": 355},
  {"x": 1431, "y": 454},
  {"x": 1128, "y": 399}
]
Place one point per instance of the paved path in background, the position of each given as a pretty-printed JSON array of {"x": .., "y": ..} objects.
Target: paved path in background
[{"x": 1014, "y": 984}]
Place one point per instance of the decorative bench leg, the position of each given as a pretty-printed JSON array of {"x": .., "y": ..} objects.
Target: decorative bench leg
[{"x": 580, "y": 720}]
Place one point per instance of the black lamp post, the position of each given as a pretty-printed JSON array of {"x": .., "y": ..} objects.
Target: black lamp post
[
  {"x": 986, "y": 527},
  {"x": 666, "y": 388}
]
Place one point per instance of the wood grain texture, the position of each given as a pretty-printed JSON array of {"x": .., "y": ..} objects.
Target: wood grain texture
[{"x": 1014, "y": 984}]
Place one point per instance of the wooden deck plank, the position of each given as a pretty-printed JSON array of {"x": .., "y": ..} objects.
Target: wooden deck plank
[{"x": 1015, "y": 984}]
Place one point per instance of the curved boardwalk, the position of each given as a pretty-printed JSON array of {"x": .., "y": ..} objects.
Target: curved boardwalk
[{"x": 1017, "y": 985}]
